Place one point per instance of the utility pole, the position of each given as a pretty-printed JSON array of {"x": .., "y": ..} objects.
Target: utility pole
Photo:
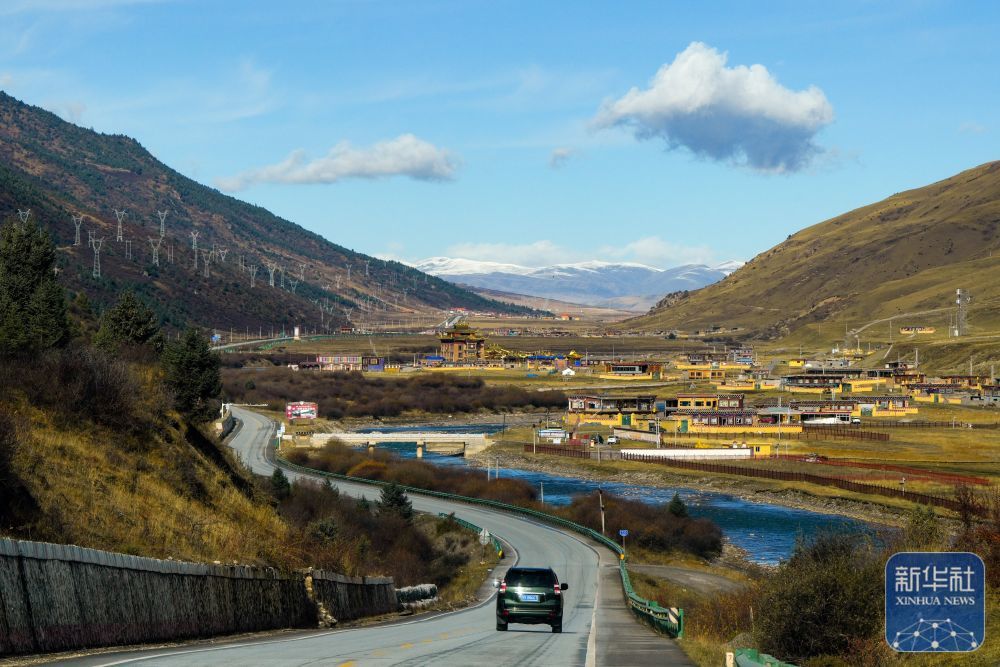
[
  {"x": 600, "y": 500},
  {"x": 77, "y": 221}
]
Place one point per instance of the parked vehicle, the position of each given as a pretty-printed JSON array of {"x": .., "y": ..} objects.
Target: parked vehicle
[
  {"x": 530, "y": 595},
  {"x": 613, "y": 440}
]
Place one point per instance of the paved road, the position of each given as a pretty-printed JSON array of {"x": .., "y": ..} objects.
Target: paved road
[{"x": 597, "y": 628}]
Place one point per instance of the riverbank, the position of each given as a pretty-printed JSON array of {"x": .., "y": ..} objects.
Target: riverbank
[
  {"x": 872, "y": 512},
  {"x": 749, "y": 491}
]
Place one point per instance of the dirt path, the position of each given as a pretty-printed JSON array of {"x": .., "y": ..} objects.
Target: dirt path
[{"x": 703, "y": 582}]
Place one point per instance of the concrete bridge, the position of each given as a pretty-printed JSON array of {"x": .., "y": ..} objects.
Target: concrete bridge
[{"x": 444, "y": 443}]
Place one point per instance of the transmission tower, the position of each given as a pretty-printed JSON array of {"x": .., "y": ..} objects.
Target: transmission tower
[
  {"x": 338, "y": 283},
  {"x": 221, "y": 252},
  {"x": 294, "y": 284},
  {"x": 367, "y": 262},
  {"x": 96, "y": 245},
  {"x": 163, "y": 222},
  {"x": 24, "y": 215},
  {"x": 206, "y": 256},
  {"x": 252, "y": 268},
  {"x": 90, "y": 238},
  {"x": 155, "y": 245},
  {"x": 194, "y": 247},
  {"x": 120, "y": 215},
  {"x": 170, "y": 253},
  {"x": 302, "y": 271},
  {"x": 348, "y": 272},
  {"x": 128, "y": 249},
  {"x": 282, "y": 278},
  {"x": 962, "y": 299},
  {"x": 77, "y": 221},
  {"x": 271, "y": 268}
]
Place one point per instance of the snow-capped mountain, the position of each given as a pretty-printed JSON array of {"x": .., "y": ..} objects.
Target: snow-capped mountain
[{"x": 608, "y": 284}]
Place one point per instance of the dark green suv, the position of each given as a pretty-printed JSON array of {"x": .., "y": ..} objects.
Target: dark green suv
[{"x": 530, "y": 595}]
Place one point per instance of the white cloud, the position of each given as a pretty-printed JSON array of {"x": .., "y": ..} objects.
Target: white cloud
[
  {"x": 559, "y": 157},
  {"x": 739, "y": 114},
  {"x": 406, "y": 155},
  {"x": 971, "y": 127},
  {"x": 651, "y": 250}
]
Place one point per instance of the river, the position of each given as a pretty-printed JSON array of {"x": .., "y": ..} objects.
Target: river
[{"x": 766, "y": 531}]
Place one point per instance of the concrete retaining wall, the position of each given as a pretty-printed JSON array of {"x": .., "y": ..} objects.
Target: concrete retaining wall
[
  {"x": 56, "y": 598},
  {"x": 347, "y": 598}
]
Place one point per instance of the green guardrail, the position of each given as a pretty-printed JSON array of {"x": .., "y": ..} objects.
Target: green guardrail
[
  {"x": 751, "y": 657},
  {"x": 476, "y": 529},
  {"x": 669, "y": 620}
]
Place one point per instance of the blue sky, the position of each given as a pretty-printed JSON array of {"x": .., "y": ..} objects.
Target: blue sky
[{"x": 507, "y": 131}]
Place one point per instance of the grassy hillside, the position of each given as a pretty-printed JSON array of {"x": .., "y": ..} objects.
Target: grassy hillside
[
  {"x": 96, "y": 460},
  {"x": 57, "y": 169},
  {"x": 899, "y": 258}
]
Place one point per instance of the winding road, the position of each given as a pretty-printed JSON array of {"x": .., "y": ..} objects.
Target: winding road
[{"x": 598, "y": 629}]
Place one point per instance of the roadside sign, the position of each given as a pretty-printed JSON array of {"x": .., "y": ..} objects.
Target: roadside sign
[
  {"x": 301, "y": 410},
  {"x": 935, "y": 602},
  {"x": 623, "y": 532},
  {"x": 485, "y": 537}
]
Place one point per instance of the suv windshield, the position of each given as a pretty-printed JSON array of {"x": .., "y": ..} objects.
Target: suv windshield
[{"x": 530, "y": 578}]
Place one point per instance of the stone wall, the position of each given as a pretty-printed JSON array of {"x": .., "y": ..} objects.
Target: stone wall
[{"x": 55, "y": 598}]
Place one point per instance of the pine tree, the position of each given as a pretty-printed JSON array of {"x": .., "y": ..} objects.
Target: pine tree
[
  {"x": 677, "y": 507},
  {"x": 192, "y": 373},
  {"x": 394, "y": 499},
  {"x": 129, "y": 321},
  {"x": 32, "y": 303},
  {"x": 280, "y": 486}
]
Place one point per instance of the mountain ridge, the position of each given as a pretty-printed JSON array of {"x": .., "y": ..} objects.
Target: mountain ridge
[
  {"x": 903, "y": 255},
  {"x": 625, "y": 285},
  {"x": 58, "y": 170}
]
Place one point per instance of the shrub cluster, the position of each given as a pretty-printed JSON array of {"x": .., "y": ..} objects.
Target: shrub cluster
[
  {"x": 347, "y": 535},
  {"x": 354, "y": 395},
  {"x": 651, "y": 527},
  {"x": 74, "y": 384}
]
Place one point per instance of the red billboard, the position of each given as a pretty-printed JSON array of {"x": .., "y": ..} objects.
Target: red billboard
[{"x": 301, "y": 410}]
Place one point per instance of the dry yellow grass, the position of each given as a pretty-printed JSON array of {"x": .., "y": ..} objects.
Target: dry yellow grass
[{"x": 166, "y": 500}]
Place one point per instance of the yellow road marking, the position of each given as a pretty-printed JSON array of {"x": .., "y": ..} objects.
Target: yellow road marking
[
  {"x": 349, "y": 663},
  {"x": 426, "y": 641},
  {"x": 443, "y": 635},
  {"x": 407, "y": 645}
]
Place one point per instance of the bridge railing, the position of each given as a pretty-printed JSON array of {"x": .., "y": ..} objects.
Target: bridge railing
[{"x": 668, "y": 620}]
